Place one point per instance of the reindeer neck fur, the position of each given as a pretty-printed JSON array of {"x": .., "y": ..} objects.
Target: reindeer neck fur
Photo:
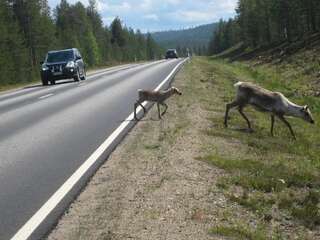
[
  {"x": 293, "y": 109},
  {"x": 168, "y": 93}
]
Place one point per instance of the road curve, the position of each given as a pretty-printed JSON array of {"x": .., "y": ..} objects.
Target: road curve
[{"x": 47, "y": 133}]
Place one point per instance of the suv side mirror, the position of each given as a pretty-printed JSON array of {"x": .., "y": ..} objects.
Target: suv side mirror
[
  {"x": 78, "y": 57},
  {"x": 41, "y": 62}
]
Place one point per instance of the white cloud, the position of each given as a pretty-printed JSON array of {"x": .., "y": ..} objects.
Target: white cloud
[
  {"x": 102, "y": 6},
  {"x": 84, "y": 2},
  {"x": 225, "y": 6},
  {"x": 108, "y": 20},
  {"x": 192, "y": 16},
  {"x": 153, "y": 17},
  {"x": 145, "y": 5},
  {"x": 118, "y": 8},
  {"x": 162, "y": 14},
  {"x": 173, "y": 2}
]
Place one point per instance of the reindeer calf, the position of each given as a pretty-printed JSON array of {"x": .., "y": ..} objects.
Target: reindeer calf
[
  {"x": 266, "y": 101},
  {"x": 155, "y": 96}
]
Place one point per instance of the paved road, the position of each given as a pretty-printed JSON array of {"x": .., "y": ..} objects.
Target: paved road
[{"x": 46, "y": 133}]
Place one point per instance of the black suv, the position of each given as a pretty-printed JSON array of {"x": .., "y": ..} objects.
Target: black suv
[
  {"x": 62, "y": 64},
  {"x": 171, "y": 53}
]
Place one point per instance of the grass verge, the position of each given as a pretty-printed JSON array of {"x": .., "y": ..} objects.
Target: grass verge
[{"x": 276, "y": 178}]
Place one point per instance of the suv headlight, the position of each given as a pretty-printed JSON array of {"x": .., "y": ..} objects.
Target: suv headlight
[
  {"x": 45, "y": 67},
  {"x": 70, "y": 64}
]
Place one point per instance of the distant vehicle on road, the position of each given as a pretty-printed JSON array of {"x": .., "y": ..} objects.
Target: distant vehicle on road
[
  {"x": 171, "y": 53},
  {"x": 62, "y": 64}
]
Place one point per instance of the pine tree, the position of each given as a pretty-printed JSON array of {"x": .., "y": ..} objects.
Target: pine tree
[
  {"x": 28, "y": 31},
  {"x": 260, "y": 22},
  {"x": 14, "y": 66},
  {"x": 117, "y": 33},
  {"x": 151, "y": 48},
  {"x": 37, "y": 26}
]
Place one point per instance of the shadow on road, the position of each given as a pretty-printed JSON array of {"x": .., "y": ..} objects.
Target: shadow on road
[
  {"x": 33, "y": 86},
  {"x": 57, "y": 83}
]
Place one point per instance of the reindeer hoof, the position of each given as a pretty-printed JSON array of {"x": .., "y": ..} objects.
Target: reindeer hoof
[
  {"x": 246, "y": 130},
  {"x": 250, "y": 130}
]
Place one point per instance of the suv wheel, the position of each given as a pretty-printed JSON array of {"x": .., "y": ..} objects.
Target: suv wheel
[
  {"x": 77, "y": 77},
  {"x": 45, "y": 81},
  {"x": 53, "y": 82},
  {"x": 83, "y": 75}
]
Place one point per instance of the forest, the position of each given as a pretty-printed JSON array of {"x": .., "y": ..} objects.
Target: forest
[
  {"x": 196, "y": 39},
  {"x": 29, "y": 28},
  {"x": 262, "y": 23}
]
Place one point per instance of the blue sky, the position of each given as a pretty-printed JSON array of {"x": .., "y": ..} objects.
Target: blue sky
[{"x": 157, "y": 15}]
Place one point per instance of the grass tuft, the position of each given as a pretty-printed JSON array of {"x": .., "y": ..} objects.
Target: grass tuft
[{"x": 241, "y": 232}]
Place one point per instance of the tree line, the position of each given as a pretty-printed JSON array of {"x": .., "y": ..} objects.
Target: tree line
[
  {"x": 29, "y": 29},
  {"x": 261, "y": 22},
  {"x": 193, "y": 50}
]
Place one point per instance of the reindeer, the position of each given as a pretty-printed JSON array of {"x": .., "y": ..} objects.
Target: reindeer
[
  {"x": 266, "y": 101},
  {"x": 155, "y": 96}
]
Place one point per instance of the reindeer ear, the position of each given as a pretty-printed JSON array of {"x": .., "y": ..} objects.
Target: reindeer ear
[{"x": 304, "y": 108}]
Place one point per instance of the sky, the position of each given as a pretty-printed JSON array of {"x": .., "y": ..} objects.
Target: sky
[{"x": 160, "y": 15}]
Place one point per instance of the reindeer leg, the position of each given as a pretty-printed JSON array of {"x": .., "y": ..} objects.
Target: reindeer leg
[
  {"x": 228, "y": 107},
  {"x": 144, "y": 109},
  {"x": 245, "y": 117},
  {"x": 158, "y": 106},
  {"x": 165, "y": 110},
  {"x": 272, "y": 124},
  {"x": 135, "y": 111},
  {"x": 288, "y": 125}
]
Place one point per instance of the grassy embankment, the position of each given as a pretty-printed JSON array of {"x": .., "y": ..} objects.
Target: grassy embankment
[{"x": 276, "y": 178}]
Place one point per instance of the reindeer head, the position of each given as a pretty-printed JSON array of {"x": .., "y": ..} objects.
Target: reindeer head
[
  {"x": 176, "y": 91},
  {"x": 306, "y": 114}
]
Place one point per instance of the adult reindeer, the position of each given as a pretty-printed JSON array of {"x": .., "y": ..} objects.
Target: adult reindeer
[{"x": 266, "y": 101}]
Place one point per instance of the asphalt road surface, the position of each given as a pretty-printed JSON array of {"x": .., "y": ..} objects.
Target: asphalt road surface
[{"x": 47, "y": 133}]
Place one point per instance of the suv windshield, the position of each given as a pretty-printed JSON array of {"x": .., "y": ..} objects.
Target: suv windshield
[
  {"x": 62, "y": 56},
  {"x": 170, "y": 51}
]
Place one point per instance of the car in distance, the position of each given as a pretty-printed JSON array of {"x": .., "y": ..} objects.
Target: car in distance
[
  {"x": 62, "y": 64},
  {"x": 171, "y": 53}
]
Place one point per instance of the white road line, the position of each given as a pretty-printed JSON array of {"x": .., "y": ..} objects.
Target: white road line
[
  {"x": 46, "y": 96},
  {"x": 30, "y": 226}
]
